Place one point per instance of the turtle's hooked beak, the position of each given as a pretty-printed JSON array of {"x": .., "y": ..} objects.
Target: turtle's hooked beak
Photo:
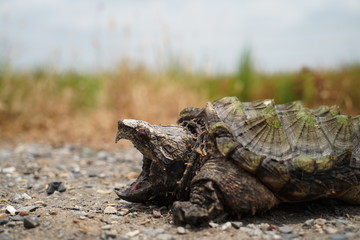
[{"x": 165, "y": 150}]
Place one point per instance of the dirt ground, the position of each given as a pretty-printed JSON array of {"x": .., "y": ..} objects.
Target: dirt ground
[{"x": 89, "y": 209}]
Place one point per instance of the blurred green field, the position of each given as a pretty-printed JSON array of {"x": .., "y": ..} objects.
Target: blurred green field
[{"x": 58, "y": 107}]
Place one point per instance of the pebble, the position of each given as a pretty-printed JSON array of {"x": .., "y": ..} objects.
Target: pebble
[
  {"x": 55, "y": 186},
  {"x": 285, "y": 229},
  {"x": 213, "y": 225},
  {"x": 320, "y": 221},
  {"x": 28, "y": 208},
  {"x": 237, "y": 225},
  {"x": 110, "y": 210},
  {"x": 341, "y": 222},
  {"x": 164, "y": 236},
  {"x": 153, "y": 231},
  {"x": 156, "y": 213},
  {"x": 226, "y": 226},
  {"x": 24, "y": 213},
  {"x": 10, "y": 209},
  {"x": 47, "y": 224},
  {"x": 337, "y": 237},
  {"x": 9, "y": 170},
  {"x": 124, "y": 211},
  {"x": 4, "y": 221},
  {"x": 132, "y": 233},
  {"x": 180, "y": 230},
  {"x": 5, "y": 236},
  {"x": 105, "y": 235},
  {"x": 330, "y": 230},
  {"x": 25, "y": 196},
  {"x": 11, "y": 224},
  {"x": 79, "y": 213},
  {"x": 106, "y": 227},
  {"x": 31, "y": 222}
]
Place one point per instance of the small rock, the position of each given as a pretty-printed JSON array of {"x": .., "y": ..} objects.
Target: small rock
[
  {"x": 153, "y": 232},
  {"x": 16, "y": 197},
  {"x": 164, "y": 236},
  {"x": 285, "y": 229},
  {"x": 264, "y": 226},
  {"x": 301, "y": 232},
  {"x": 10, "y": 209},
  {"x": 226, "y": 226},
  {"x": 79, "y": 213},
  {"x": 320, "y": 221},
  {"x": 132, "y": 234},
  {"x": 237, "y": 225},
  {"x": 9, "y": 170},
  {"x": 24, "y": 213},
  {"x": 11, "y": 224},
  {"x": 110, "y": 210},
  {"x": 52, "y": 212},
  {"x": 17, "y": 218},
  {"x": 47, "y": 224},
  {"x": 124, "y": 211},
  {"x": 337, "y": 237},
  {"x": 290, "y": 236},
  {"x": 28, "y": 208},
  {"x": 330, "y": 230},
  {"x": 25, "y": 196},
  {"x": 3, "y": 221},
  {"x": 55, "y": 186},
  {"x": 213, "y": 225},
  {"x": 106, "y": 227},
  {"x": 156, "y": 213},
  {"x": 105, "y": 235},
  {"x": 271, "y": 227},
  {"x": 180, "y": 230},
  {"x": 31, "y": 222},
  {"x": 245, "y": 229},
  {"x": 256, "y": 233},
  {"x": 309, "y": 222},
  {"x": 340, "y": 222},
  {"x": 5, "y": 236}
]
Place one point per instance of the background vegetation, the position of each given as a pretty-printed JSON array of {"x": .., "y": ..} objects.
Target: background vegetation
[{"x": 44, "y": 105}]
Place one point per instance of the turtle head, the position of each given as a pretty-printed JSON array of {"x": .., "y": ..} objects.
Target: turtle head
[{"x": 165, "y": 150}]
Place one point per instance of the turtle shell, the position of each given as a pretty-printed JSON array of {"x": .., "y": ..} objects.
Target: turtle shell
[{"x": 299, "y": 153}]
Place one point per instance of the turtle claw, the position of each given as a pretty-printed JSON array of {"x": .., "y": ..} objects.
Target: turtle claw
[{"x": 189, "y": 213}]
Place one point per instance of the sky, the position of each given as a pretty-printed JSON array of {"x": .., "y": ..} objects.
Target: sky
[{"x": 207, "y": 35}]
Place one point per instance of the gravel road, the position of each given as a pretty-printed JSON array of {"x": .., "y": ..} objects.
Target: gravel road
[{"x": 84, "y": 206}]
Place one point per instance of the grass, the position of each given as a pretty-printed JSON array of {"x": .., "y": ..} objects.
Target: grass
[{"x": 58, "y": 107}]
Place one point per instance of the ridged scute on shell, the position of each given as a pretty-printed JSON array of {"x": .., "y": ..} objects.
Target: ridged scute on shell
[
  {"x": 324, "y": 111},
  {"x": 304, "y": 134},
  {"x": 339, "y": 131},
  {"x": 288, "y": 130}
]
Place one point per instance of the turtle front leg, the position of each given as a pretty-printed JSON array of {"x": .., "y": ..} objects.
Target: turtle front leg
[
  {"x": 205, "y": 204},
  {"x": 222, "y": 186}
]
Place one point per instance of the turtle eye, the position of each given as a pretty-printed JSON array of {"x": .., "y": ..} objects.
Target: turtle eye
[
  {"x": 169, "y": 148},
  {"x": 144, "y": 133}
]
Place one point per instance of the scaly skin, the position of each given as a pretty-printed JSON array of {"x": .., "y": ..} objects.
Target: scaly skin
[{"x": 243, "y": 158}]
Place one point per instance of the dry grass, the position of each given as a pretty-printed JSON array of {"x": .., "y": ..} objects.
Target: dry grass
[
  {"x": 58, "y": 108},
  {"x": 38, "y": 111}
]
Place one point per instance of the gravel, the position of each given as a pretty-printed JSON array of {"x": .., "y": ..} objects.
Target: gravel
[{"x": 35, "y": 205}]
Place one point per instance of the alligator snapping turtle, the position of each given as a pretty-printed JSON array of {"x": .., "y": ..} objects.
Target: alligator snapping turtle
[{"x": 244, "y": 157}]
